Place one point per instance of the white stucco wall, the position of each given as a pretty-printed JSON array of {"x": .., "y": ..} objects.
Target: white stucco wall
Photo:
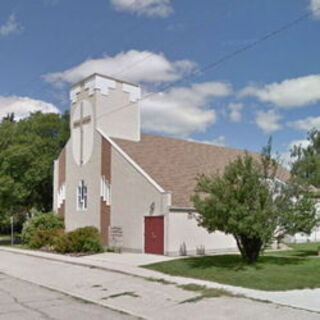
[
  {"x": 131, "y": 200},
  {"x": 118, "y": 116},
  {"x": 183, "y": 233},
  {"x": 104, "y": 95},
  {"x": 90, "y": 173}
]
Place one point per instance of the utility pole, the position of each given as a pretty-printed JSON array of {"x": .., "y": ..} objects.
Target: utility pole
[{"x": 12, "y": 236}]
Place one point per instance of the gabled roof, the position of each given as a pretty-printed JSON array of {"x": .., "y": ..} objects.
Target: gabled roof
[{"x": 175, "y": 163}]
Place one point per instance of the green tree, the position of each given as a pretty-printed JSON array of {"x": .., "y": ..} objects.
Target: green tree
[
  {"x": 250, "y": 203},
  {"x": 27, "y": 150},
  {"x": 306, "y": 165}
]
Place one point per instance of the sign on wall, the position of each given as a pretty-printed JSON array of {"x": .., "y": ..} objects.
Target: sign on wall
[{"x": 116, "y": 238}]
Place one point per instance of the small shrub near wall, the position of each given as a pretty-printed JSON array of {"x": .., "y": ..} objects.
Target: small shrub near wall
[
  {"x": 45, "y": 238},
  {"x": 85, "y": 239},
  {"x": 62, "y": 244},
  {"x": 46, "y": 230},
  {"x": 41, "y": 230}
]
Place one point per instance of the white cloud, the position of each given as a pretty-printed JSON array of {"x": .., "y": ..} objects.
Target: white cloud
[
  {"x": 133, "y": 65},
  {"x": 315, "y": 8},
  {"x": 182, "y": 111},
  {"x": 268, "y": 121},
  {"x": 306, "y": 124},
  {"x": 289, "y": 93},
  {"x": 150, "y": 8},
  {"x": 285, "y": 157},
  {"x": 219, "y": 141},
  {"x": 11, "y": 26},
  {"x": 234, "y": 112},
  {"x": 23, "y": 106}
]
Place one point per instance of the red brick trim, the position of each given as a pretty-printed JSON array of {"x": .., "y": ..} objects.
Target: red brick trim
[{"x": 104, "y": 208}]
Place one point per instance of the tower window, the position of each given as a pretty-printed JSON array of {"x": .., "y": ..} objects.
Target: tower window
[{"x": 82, "y": 196}]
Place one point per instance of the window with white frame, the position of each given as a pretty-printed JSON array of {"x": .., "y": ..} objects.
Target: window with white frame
[
  {"x": 82, "y": 196},
  {"x": 106, "y": 190}
]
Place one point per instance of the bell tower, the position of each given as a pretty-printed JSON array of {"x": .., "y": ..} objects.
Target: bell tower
[{"x": 104, "y": 103}]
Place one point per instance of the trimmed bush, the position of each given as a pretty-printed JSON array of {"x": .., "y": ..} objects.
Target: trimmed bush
[
  {"x": 41, "y": 230},
  {"x": 44, "y": 238},
  {"x": 62, "y": 244},
  {"x": 85, "y": 239}
]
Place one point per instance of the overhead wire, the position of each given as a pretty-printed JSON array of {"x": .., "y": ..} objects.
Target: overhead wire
[
  {"x": 218, "y": 14},
  {"x": 223, "y": 59}
]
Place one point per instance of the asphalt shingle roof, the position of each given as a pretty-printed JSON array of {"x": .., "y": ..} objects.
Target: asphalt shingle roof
[{"x": 175, "y": 163}]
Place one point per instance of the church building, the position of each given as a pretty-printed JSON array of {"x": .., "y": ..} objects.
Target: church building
[{"x": 135, "y": 188}]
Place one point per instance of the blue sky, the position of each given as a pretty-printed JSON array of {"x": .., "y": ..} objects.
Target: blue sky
[{"x": 271, "y": 89}]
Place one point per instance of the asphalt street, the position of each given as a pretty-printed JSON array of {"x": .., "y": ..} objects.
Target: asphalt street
[{"x": 22, "y": 300}]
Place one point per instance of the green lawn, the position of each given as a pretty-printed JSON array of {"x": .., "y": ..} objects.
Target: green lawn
[{"x": 270, "y": 273}]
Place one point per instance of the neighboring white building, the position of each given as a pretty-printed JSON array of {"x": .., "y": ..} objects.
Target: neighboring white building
[{"x": 135, "y": 188}]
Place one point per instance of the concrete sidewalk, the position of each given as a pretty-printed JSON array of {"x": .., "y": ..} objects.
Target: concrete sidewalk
[
  {"x": 308, "y": 299},
  {"x": 129, "y": 259}
]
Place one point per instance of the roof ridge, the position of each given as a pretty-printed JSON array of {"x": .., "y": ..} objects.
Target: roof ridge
[{"x": 192, "y": 141}]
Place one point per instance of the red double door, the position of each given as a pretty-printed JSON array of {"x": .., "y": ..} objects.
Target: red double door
[{"x": 154, "y": 235}]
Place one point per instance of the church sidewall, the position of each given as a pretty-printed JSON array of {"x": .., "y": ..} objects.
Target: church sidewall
[
  {"x": 187, "y": 238},
  {"x": 133, "y": 198}
]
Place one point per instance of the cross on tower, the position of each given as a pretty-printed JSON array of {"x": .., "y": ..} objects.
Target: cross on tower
[{"x": 83, "y": 120}]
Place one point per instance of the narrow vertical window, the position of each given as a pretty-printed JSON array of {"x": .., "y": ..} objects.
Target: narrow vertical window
[
  {"x": 106, "y": 191},
  {"x": 82, "y": 196}
]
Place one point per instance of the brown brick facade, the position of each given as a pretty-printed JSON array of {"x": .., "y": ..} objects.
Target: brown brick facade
[{"x": 104, "y": 208}]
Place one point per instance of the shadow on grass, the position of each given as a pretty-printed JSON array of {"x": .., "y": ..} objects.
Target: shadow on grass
[
  {"x": 234, "y": 262},
  {"x": 293, "y": 253},
  {"x": 305, "y": 253}
]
